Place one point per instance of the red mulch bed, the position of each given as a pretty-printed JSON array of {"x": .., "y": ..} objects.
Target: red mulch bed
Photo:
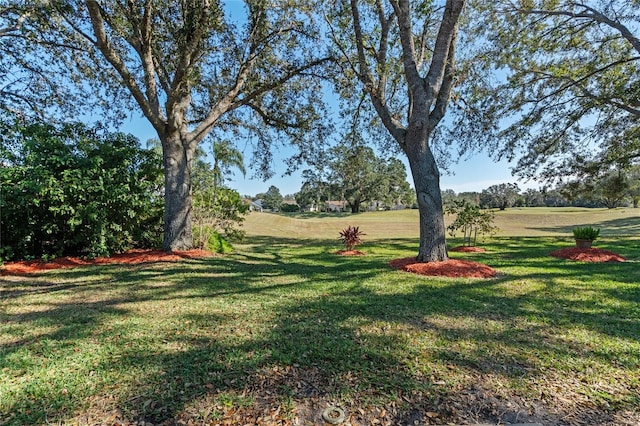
[
  {"x": 468, "y": 249},
  {"x": 587, "y": 255},
  {"x": 454, "y": 268},
  {"x": 350, "y": 253},
  {"x": 129, "y": 257}
]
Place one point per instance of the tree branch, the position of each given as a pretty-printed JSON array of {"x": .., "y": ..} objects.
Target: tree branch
[
  {"x": 442, "y": 52},
  {"x": 381, "y": 55},
  {"x": 403, "y": 12},
  {"x": 146, "y": 55},
  {"x": 16, "y": 26},
  {"x": 102, "y": 42},
  {"x": 393, "y": 126},
  {"x": 246, "y": 66},
  {"x": 269, "y": 119},
  {"x": 444, "y": 94},
  {"x": 577, "y": 83},
  {"x": 276, "y": 83},
  {"x": 364, "y": 74},
  {"x": 593, "y": 14}
]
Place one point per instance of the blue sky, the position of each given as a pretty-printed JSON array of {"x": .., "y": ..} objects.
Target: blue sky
[{"x": 473, "y": 173}]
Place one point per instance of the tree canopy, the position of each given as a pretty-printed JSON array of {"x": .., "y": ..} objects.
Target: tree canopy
[
  {"x": 502, "y": 195},
  {"x": 30, "y": 83},
  {"x": 611, "y": 189},
  {"x": 191, "y": 68},
  {"x": 568, "y": 94},
  {"x": 357, "y": 176},
  {"x": 272, "y": 199}
]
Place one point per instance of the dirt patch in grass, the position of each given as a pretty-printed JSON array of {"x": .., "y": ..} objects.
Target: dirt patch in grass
[
  {"x": 468, "y": 249},
  {"x": 130, "y": 257},
  {"x": 449, "y": 268},
  {"x": 591, "y": 254},
  {"x": 309, "y": 391},
  {"x": 350, "y": 253}
]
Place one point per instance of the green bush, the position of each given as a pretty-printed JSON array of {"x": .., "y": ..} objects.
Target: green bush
[
  {"x": 586, "y": 233},
  {"x": 218, "y": 244},
  {"x": 75, "y": 190},
  {"x": 470, "y": 220},
  {"x": 207, "y": 238},
  {"x": 289, "y": 208},
  {"x": 219, "y": 212}
]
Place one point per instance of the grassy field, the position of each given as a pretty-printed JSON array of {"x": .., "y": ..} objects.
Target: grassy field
[
  {"x": 282, "y": 328},
  {"x": 539, "y": 221}
]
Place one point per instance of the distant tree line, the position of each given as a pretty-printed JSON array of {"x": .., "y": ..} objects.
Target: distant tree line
[
  {"x": 353, "y": 174},
  {"x": 388, "y": 186},
  {"x": 616, "y": 188}
]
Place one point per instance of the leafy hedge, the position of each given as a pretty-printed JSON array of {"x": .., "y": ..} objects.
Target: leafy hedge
[{"x": 75, "y": 190}]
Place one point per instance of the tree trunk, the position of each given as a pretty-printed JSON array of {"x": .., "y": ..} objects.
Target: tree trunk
[
  {"x": 426, "y": 179},
  {"x": 177, "y": 159}
]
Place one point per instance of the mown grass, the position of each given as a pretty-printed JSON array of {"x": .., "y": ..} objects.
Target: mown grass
[
  {"x": 536, "y": 221},
  {"x": 201, "y": 337}
]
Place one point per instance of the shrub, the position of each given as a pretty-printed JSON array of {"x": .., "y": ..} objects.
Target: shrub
[
  {"x": 75, "y": 190},
  {"x": 586, "y": 233},
  {"x": 350, "y": 237},
  {"x": 289, "y": 208},
  {"x": 211, "y": 240},
  {"x": 221, "y": 212},
  {"x": 471, "y": 220}
]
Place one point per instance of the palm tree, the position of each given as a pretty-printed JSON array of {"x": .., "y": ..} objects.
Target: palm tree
[
  {"x": 206, "y": 181},
  {"x": 225, "y": 156}
]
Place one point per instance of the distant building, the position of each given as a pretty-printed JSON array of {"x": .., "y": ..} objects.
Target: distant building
[
  {"x": 336, "y": 206},
  {"x": 254, "y": 206},
  {"x": 311, "y": 208}
]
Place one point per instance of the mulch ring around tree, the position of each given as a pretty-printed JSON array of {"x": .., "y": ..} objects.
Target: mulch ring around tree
[
  {"x": 454, "y": 268},
  {"x": 591, "y": 254},
  {"x": 132, "y": 257}
]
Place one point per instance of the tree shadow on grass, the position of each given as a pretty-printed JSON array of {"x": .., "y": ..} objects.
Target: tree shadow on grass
[
  {"x": 351, "y": 342},
  {"x": 278, "y": 323}
]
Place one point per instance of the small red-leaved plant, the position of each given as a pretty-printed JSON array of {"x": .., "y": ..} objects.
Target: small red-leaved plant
[{"x": 350, "y": 236}]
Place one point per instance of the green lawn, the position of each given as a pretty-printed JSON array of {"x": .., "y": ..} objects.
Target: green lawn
[
  {"x": 538, "y": 221},
  {"x": 276, "y": 331}
]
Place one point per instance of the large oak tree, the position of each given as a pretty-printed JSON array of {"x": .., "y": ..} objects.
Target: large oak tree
[
  {"x": 191, "y": 67},
  {"x": 402, "y": 55},
  {"x": 359, "y": 177},
  {"x": 356, "y": 175}
]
